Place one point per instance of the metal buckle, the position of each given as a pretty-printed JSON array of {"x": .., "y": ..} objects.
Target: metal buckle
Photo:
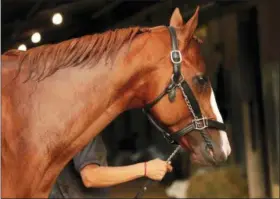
[
  {"x": 200, "y": 123},
  {"x": 180, "y": 56}
]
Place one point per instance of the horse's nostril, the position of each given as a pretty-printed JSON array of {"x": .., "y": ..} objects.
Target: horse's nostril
[
  {"x": 210, "y": 153},
  {"x": 207, "y": 153},
  {"x": 215, "y": 156}
]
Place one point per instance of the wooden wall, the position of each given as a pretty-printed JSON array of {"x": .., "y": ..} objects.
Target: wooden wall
[{"x": 252, "y": 62}]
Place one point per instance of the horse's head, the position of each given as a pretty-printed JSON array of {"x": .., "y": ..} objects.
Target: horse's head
[{"x": 179, "y": 97}]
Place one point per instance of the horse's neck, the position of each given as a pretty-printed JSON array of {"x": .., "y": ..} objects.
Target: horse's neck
[
  {"x": 61, "y": 114},
  {"x": 72, "y": 106}
]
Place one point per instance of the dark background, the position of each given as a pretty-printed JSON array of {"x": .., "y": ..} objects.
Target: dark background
[{"x": 242, "y": 51}]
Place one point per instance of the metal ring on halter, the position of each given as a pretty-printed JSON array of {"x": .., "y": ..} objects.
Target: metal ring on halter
[{"x": 181, "y": 79}]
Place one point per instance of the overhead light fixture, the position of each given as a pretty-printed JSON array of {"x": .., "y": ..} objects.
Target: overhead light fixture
[
  {"x": 22, "y": 47},
  {"x": 57, "y": 19},
  {"x": 36, "y": 37}
]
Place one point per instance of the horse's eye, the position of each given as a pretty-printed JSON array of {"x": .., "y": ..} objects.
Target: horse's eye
[{"x": 201, "y": 80}]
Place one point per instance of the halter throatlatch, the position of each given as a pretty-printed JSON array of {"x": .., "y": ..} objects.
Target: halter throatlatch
[{"x": 199, "y": 122}]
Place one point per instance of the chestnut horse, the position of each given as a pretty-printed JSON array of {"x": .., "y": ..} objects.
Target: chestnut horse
[{"x": 55, "y": 98}]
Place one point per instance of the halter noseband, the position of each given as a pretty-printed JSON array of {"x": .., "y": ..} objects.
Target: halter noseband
[{"x": 199, "y": 123}]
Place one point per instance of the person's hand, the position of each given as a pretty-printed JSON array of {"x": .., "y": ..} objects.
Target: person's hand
[{"x": 156, "y": 169}]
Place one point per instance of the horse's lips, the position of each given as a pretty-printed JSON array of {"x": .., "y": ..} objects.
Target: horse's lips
[
  {"x": 185, "y": 144},
  {"x": 194, "y": 157}
]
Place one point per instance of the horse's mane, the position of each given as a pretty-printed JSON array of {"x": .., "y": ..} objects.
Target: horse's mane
[{"x": 45, "y": 60}]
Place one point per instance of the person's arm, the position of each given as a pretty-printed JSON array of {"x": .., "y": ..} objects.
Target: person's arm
[
  {"x": 95, "y": 176},
  {"x": 91, "y": 163}
]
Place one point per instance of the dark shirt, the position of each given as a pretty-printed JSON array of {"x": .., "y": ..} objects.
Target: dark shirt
[{"x": 69, "y": 183}]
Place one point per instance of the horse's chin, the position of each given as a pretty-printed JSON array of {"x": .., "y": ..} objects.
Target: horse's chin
[
  {"x": 199, "y": 159},
  {"x": 196, "y": 159},
  {"x": 196, "y": 155},
  {"x": 185, "y": 144}
]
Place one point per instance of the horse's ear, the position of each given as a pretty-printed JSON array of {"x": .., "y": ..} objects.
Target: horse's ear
[
  {"x": 190, "y": 26},
  {"x": 176, "y": 19}
]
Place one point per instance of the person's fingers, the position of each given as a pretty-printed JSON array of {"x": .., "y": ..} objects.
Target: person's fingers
[{"x": 169, "y": 167}]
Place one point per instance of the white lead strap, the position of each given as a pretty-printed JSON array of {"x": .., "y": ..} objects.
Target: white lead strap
[{"x": 173, "y": 153}]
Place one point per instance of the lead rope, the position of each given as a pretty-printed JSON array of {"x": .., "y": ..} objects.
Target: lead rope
[{"x": 149, "y": 181}]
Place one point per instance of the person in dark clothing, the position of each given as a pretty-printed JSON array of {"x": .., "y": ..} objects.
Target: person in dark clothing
[{"x": 87, "y": 175}]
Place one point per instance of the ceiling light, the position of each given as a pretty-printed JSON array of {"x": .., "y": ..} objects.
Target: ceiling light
[
  {"x": 57, "y": 19},
  {"x": 22, "y": 47},
  {"x": 36, "y": 37}
]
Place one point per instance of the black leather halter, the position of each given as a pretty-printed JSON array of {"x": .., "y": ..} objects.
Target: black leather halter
[{"x": 199, "y": 123}]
